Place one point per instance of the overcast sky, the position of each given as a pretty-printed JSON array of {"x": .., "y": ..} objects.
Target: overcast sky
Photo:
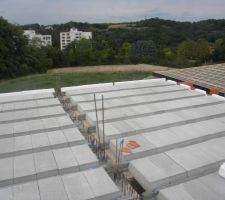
[{"x": 59, "y": 11}]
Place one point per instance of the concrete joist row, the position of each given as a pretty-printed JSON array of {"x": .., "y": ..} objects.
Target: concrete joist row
[
  {"x": 43, "y": 155},
  {"x": 178, "y": 132}
]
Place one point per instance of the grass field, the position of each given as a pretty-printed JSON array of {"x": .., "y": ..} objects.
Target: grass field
[{"x": 53, "y": 80}]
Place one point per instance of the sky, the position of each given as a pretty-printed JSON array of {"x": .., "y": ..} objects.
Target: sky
[{"x": 97, "y": 11}]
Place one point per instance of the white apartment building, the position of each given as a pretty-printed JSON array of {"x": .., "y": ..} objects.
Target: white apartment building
[
  {"x": 68, "y": 37},
  {"x": 44, "y": 39}
]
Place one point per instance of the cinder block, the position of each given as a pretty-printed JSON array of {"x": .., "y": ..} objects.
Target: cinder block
[
  {"x": 52, "y": 189},
  {"x": 6, "y": 171},
  {"x": 74, "y": 190},
  {"x": 40, "y": 140},
  {"x": 57, "y": 139},
  {"x": 74, "y": 136},
  {"x": 84, "y": 156},
  {"x": 26, "y": 191},
  {"x": 22, "y": 144},
  {"x": 6, "y": 193},
  {"x": 65, "y": 160},
  {"x": 45, "y": 164},
  {"x": 24, "y": 169},
  {"x": 6, "y": 147}
]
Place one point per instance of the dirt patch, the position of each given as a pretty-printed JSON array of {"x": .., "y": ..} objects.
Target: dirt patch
[{"x": 111, "y": 68}]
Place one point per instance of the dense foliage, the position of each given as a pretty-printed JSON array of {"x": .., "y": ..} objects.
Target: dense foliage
[
  {"x": 153, "y": 41},
  {"x": 18, "y": 57}
]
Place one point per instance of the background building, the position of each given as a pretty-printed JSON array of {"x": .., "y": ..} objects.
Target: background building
[
  {"x": 45, "y": 40},
  {"x": 68, "y": 37}
]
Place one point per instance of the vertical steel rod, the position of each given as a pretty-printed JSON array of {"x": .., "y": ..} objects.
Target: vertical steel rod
[
  {"x": 116, "y": 156},
  {"x": 120, "y": 152},
  {"x": 103, "y": 125},
  {"x": 97, "y": 127}
]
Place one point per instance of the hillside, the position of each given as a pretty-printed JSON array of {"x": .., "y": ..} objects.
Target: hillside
[
  {"x": 166, "y": 33},
  {"x": 153, "y": 41}
]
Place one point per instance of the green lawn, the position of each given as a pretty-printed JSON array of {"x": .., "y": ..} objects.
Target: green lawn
[{"x": 51, "y": 80}]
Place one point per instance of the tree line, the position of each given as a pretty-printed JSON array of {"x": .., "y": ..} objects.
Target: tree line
[{"x": 153, "y": 41}]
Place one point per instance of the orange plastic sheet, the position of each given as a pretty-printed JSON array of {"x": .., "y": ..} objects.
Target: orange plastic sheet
[
  {"x": 126, "y": 150},
  {"x": 130, "y": 145}
]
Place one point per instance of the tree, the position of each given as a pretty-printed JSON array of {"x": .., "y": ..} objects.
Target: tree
[
  {"x": 37, "y": 59},
  {"x": 80, "y": 52},
  {"x": 17, "y": 56},
  {"x": 36, "y": 42},
  {"x": 144, "y": 51},
  {"x": 185, "y": 50},
  {"x": 201, "y": 50},
  {"x": 12, "y": 45},
  {"x": 168, "y": 53},
  {"x": 83, "y": 51},
  {"x": 124, "y": 53},
  {"x": 107, "y": 56},
  {"x": 55, "y": 54},
  {"x": 219, "y": 53},
  {"x": 110, "y": 44}
]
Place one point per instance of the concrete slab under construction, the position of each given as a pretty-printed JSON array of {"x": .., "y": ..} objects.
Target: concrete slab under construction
[
  {"x": 86, "y": 185},
  {"x": 117, "y": 86},
  {"x": 84, "y": 108},
  {"x": 166, "y": 123},
  {"x": 151, "y": 143},
  {"x": 178, "y": 165},
  {"x": 121, "y": 94},
  {"x": 26, "y": 95},
  {"x": 29, "y": 167},
  {"x": 166, "y": 134},
  {"x": 15, "y": 146},
  {"x": 31, "y": 104},
  {"x": 29, "y": 114},
  {"x": 206, "y": 187},
  {"x": 124, "y": 128},
  {"x": 43, "y": 155},
  {"x": 118, "y": 114},
  {"x": 35, "y": 126},
  {"x": 170, "y": 134}
]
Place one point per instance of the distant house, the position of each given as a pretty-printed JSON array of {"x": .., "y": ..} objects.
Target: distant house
[
  {"x": 45, "y": 40},
  {"x": 49, "y": 28},
  {"x": 74, "y": 34}
]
